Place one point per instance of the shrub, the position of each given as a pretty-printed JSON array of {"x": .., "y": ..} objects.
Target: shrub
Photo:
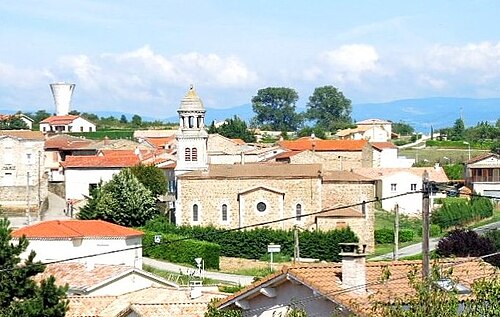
[
  {"x": 184, "y": 251},
  {"x": 406, "y": 235},
  {"x": 252, "y": 244},
  {"x": 462, "y": 242},
  {"x": 383, "y": 236},
  {"x": 459, "y": 211}
]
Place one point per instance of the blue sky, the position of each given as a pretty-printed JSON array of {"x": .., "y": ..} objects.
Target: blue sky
[{"x": 141, "y": 56}]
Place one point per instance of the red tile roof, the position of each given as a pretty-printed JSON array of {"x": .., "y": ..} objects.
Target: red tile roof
[
  {"x": 23, "y": 134},
  {"x": 105, "y": 161},
  {"x": 324, "y": 145},
  {"x": 383, "y": 145},
  {"x": 286, "y": 155},
  {"x": 160, "y": 142},
  {"x": 75, "y": 229},
  {"x": 238, "y": 141},
  {"x": 55, "y": 120},
  {"x": 66, "y": 142}
]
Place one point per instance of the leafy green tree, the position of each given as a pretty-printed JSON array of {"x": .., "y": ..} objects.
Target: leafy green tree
[
  {"x": 458, "y": 130},
  {"x": 233, "y": 128},
  {"x": 151, "y": 177},
  {"x": 274, "y": 109},
  {"x": 136, "y": 120},
  {"x": 123, "y": 119},
  {"x": 329, "y": 108},
  {"x": 123, "y": 200},
  {"x": 40, "y": 115},
  {"x": 495, "y": 147},
  {"x": 402, "y": 128},
  {"x": 90, "y": 116},
  {"x": 74, "y": 112},
  {"x": 308, "y": 131},
  {"x": 13, "y": 123},
  {"x": 454, "y": 171},
  {"x": 20, "y": 295}
]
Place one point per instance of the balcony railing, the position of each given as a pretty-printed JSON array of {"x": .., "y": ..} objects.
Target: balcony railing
[{"x": 484, "y": 179}]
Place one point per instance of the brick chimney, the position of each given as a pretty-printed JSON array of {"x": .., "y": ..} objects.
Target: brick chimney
[{"x": 353, "y": 267}]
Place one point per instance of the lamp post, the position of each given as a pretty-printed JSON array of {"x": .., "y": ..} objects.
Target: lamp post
[{"x": 468, "y": 145}]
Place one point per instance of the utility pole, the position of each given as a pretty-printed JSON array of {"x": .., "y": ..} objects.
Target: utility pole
[
  {"x": 39, "y": 189},
  {"x": 425, "y": 225},
  {"x": 296, "y": 249},
  {"x": 396, "y": 233},
  {"x": 28, "y": 220}
]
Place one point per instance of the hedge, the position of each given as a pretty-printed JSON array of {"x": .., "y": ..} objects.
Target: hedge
[
  {"x": 184, "y": 251},
  {"x": 386, "y": 235},
  {"x": 459, "y": 211},
  {"x": 252, "y": 244}
]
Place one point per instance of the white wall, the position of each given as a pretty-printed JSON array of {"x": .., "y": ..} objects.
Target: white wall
[
  {"x": 60, "y": 249},
  {"x": 77, "y": 180},
  {"x": 408, "y": 204},
  {"x": 82, "y": 125},
  {"x": 129, "y": 283}
]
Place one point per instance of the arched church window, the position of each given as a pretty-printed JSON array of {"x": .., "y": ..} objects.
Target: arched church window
[
  {"x": 298, "y": 212},
  {"x": 195, "y": 213},
  {"x": 194, "y": 154},
  {"x": 187, "y": 154},
  {"x": 224, "y": 212}
]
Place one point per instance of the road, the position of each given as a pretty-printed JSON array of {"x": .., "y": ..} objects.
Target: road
[
  {"x": 417, "y": 248},
  {"x": 242, "y": 280},
  {"x": 55, "y": 211}
]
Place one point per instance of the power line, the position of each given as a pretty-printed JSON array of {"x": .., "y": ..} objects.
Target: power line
[{"x": 208, "y": 233}]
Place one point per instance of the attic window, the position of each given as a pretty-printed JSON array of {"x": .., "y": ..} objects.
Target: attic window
[{"x": 261, "y": 206}]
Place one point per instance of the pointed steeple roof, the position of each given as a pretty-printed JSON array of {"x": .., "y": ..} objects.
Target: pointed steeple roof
[{"x": 191, "y": 102}]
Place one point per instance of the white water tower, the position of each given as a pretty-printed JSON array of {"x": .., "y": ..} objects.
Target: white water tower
[{"x": 62, "y": 93}]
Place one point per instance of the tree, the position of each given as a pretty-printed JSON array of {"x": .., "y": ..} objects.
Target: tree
[
  {"x": 13, "y": 123},
  {"x": 123, "y": 200},
  {"x": 329, "y": 108},
  {"x": 74, "y": 112},
  {"x": 458, "y": 130},
  {"x": 40, "y": 115},
  {"x": 495, "y": 147},
  {"x": 308, "y": 131},
  {"x": 136, "y": 120},
  {"x": 123, "y": 119},
  {"x": 20, "y": 295},
  {"x": 274, "y": 109},
  {"x": 152, "y": 178},
  {"x": 233, "y": 128},
  {"x": 402, "y": 128},
  {"x": 454, "y": 171}
]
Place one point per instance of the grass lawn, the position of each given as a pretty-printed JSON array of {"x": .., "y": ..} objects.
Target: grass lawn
[
  {"x": 178, "y": 278},
  {"x": 437, "y": 155},
  {"x": 494, "y": 218}
]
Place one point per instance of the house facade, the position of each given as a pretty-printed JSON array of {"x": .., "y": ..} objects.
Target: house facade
[
  {"x": 482, "y": 175},
  {"x": 67, "y": 239},
  {"x": 23, "y": 181},
  {"x": 373, "y": 130},
  {"x": 66, "y": 123}
]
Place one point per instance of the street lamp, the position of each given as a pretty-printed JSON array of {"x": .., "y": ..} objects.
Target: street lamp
[{"x": 468, "y": 144}]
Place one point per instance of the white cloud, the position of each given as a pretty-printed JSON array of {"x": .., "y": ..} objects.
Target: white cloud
[
  {"x": 480, "y": 57},
  {"x": 16, "y": 77},
  {"x": 348, "y": 63}
]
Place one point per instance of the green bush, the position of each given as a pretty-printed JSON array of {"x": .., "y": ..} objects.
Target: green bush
[
  {"x": 383, "y": 236},
  {"x": 434, "y": 230},
  {"x": 184, "y": 251},
  {"x": 252, "y": 244},
  {"x": 386, "y": 235},
  {"x": 456, "y": 212}
]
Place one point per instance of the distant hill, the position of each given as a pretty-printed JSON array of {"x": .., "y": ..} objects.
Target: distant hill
[{"x": 421, "y": 113}]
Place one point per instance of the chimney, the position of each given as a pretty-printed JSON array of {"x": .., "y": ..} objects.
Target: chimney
[
  {"x": 62, "y": 93},
  {"x": 353, "y": 267}
]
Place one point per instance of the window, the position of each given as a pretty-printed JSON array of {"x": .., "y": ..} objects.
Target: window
[
  {"x": 224, "y": 212},
  {"x": 298, "y": 212},
  {"x": 187, "y": 154},
  {"x": 393, "y": 187},
  {"x": 191, "y": 122},
  {"x": 341, "y": 225},
  {"x": 90, "y": 129},
  {"x": 44, "y": 129},
  {"x": 261, "y": 206},
  {"x": 81, "y": 129},
  {"x": 194, "y": 154},
  {"x": 92, "y": 186},
  {"x": 195, "y": 213},
  {"x": 413, "y": 187}
]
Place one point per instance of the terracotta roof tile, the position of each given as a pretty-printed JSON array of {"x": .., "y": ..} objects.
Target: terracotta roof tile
[
  {"x": 56, "y": 120},
  {"x": 342, "y": 212},
  {"x": 75, "y": 228},
  {"x": 383, "y": 145},
  {"x": 256, "y": 171},
  {"x": 326, "y": 279},
  {"x": 324, "y": 145},
  {"x": 67, "y": 142},
  {"x": 160, "y": 142},
  {"x": 23, "y": 134},
  {"x": 347, "y": 176},
  {"x": 239, "y": 141},
  {"x": 482, "y": 157},
  {"x": 436, "y": 174},
  {"x": 105, "y": 161},
  {"x": 288, "y": 154}
]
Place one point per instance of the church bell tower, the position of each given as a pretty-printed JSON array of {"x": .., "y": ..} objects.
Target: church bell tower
[{"x": 192, "y": 136}]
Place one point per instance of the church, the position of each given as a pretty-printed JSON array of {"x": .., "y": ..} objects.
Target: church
[{"x": 277, "y": 195}]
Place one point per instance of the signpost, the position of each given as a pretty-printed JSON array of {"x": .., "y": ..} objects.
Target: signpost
[{"x": 273, "y": 248}]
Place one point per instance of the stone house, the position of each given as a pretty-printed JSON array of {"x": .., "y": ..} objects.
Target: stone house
[{"x": 23, "y": 181}]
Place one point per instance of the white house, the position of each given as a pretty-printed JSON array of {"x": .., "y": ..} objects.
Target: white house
[
  {"x": 482, "y": 174},
  {"x": 84, "y": 172},
  {"x": 67, "y": 123},
  {"x": 398, "y": 181},
  {"x": 385, "y": 154},
  {"x": 72, "y": 239},
  {"x": 22, "y": 172},
  {"x": 373, "y": 130},
  {"x": 102, "y": 279}
]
